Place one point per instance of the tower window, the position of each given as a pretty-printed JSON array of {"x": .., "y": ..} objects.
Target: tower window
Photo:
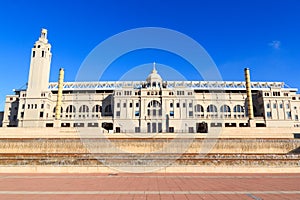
[
  {"x": 43, "y": 53},
  {"x": 33, "y": 54}
]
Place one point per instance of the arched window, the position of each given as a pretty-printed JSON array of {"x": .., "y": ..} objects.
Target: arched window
[
  {"x": 84, "y": 108},
  {"x": 71, "y": 109},
  {"x": 225, "y": 111},
  {"x": 154, "y": 108},
  {"x": 212, "y": 108},
  {"x": 212, "y": 111},
  {"x": 108, "y": 109},
  {"x": 238, "y": 108},
  {"x": 199, "y": 108},
  {"x": 97, "y": 108},
  {"x": 225, "y": 108},
  {"x": 54, "y": 109},
  {"x": 238, "y": 111}
]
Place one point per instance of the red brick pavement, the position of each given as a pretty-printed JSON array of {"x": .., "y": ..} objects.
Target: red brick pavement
[{"x": 150, "y": 186}]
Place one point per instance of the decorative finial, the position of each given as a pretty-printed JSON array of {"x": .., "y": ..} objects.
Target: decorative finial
[{"x": 154, "y": 68}]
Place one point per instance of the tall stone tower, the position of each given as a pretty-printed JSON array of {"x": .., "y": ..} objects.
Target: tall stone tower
[
  {"x": 39, "y": 72},
  {"x": 36, "y": 103}
]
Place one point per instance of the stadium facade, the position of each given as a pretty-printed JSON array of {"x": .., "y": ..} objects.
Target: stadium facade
[{"x": 153, "y": 105}]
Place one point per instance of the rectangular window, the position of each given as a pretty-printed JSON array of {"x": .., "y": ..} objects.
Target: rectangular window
[
  {"x": 42, "y": 106},
  {"x": 287, "y": 106},
  {"x": 268, "y": 105},
  {"x": 280, "y": 105},
  {"x": 22, "y": 114},
  {"x": 137, "y": 113},
  {"x": 296, "y": 117},
  {"x": 130, "y": 105},
  {"x": 118, "y": 105},
  {"x": 118, "y": 113},
  {"x": 190, "y": 105},
  {"x": 154, "y": 112},
  {"x": 23, "y": 106},
  {"x": 43, "y": 53},
  {"x": 171, "y": 105},
  {"x": 137, "y": 129},
  {"x": 177, "y": 105},
  {"x": 274, "y": 105},
  {"x": 41, "y": 114},
  {"x": 183, "y": 105},
  {"x": 288, "y": 114},
  {"x": 124, "y": 105},
  {"x": 269, "y": 114},
  {"x": 137, "y": 105},
  {"x": 190, "y": 113},
  {"x": 33, "y": 54}
]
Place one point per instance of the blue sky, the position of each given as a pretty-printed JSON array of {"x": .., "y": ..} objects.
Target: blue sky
[{"x": 261, "y": 35}]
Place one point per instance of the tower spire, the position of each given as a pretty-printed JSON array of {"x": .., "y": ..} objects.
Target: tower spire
[{"x": 154, "y": 68}]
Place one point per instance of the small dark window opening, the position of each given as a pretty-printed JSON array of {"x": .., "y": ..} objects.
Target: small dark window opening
[{"x": 33, "y": 54}]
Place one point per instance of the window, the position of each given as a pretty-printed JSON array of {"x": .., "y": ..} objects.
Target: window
[
  {"x": 84, "y": 108},
  {"x": 274, "y": 105},
  {"x": 177, "y": 105},
  {"x": 97, "y": 109},
  {"x": 137, "y": 129},
  {"x": 118, "y": 105},
  {"x": 71, "y": 109},
  {"x": 42, "y": 106},
  {"x": 35, "y": 106},
  {"x": 180, "y": 92},
  {"x": 269, "y": 114},
  {"x": 137, "y": 113},
  {"x": 276, "y": 94},
  {"x": 124, "y": 105},
  {"x": 22, "y": 114},
  {"x": 43, "y": 53},
  {"x": 33, "y": 54},
  {"x": 171, "y": 113},
  {"x": 287, "y": 106},
  {"x": 183, "y": 105},
  {"x": 171, "y": 105},
  {"x": 288, "y": 114},
  {"x": 190, "y": 113},
  {"x": 190, "y": 105},
  {"x": 296, "y": 117},
  {"x": 280, "y": 105},
  {"x": 137, "y": 105},
  {"x": 41, "y": 114},
  {"x": 118, "y": 113},
  {"x": 130, "y": 105},
  {"x": 23, "y": 106},
  {"x": 268, "y": 105}
]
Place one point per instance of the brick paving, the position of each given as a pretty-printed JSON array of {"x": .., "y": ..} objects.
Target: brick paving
[{"x": 150, "y": 186}]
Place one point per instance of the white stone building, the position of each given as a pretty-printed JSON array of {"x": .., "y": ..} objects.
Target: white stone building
[{"x": 154, "y": 105}]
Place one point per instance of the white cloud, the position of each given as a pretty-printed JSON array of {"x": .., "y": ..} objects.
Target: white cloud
[{"x": 275, "y": 44}]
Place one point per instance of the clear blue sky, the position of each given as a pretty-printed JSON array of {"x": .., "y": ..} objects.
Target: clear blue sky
[{"x": 263, "y": 35}]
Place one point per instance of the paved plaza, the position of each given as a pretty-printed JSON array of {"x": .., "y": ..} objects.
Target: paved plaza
[{"x": 150, "y": 186}]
